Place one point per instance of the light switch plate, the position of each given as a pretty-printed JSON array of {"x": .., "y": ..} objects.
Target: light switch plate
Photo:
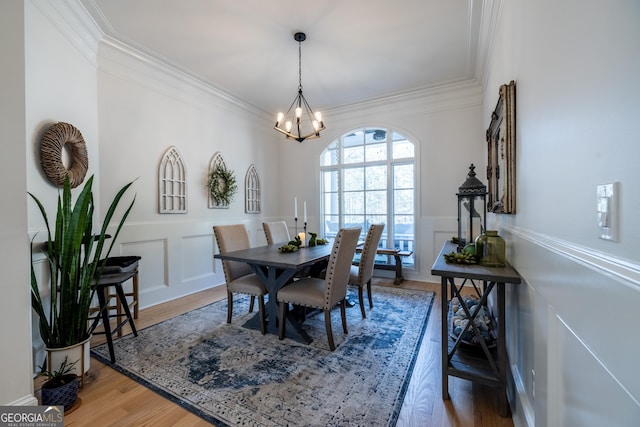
[{"x": 607, "y": 211}]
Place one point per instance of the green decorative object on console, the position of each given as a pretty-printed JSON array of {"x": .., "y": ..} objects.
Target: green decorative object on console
[{"x": 490, "y": 249}]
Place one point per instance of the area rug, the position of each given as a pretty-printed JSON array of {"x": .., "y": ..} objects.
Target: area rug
[{"x": 233, "y": 376}]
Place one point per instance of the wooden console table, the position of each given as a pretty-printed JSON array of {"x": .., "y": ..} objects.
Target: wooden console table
[{"x": 482, "y": 363}]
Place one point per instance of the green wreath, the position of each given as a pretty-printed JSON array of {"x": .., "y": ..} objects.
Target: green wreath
[{"x": 222, "y": 185}]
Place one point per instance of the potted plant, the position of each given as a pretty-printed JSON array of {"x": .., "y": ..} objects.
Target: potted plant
[
  {"x": 74, "y": 252},
  {"x": 61, "y": 387}
]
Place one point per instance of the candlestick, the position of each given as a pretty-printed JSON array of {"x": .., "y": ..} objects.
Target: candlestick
[
  {"x": 305, "y": 212},
  {"x": 295, "y": 206}
]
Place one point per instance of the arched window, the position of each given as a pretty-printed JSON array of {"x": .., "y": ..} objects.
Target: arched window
[
  {"x": 368, "y": 176},
  {"x": 172, "y": 183},
  {"x": 252, "y": 191}
]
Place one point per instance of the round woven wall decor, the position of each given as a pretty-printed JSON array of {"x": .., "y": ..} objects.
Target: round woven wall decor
[{"x": 53, "y": 142}]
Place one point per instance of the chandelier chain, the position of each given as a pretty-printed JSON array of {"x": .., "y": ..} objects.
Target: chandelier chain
[{"x": 299, "y": 65}]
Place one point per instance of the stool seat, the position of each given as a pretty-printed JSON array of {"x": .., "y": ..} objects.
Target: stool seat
[{"x": 106, "y": 281}]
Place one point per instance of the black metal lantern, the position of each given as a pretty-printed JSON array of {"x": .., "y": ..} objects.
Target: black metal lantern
[{"x": 472, "y": 209}]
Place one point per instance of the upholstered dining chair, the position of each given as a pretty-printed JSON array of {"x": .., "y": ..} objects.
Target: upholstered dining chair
[
  {"x": 324, "y": 294},
  {"x": 239, "y": 276},
  {"x": 276, "y": 232},
  {"x": 361, "y": 274}
]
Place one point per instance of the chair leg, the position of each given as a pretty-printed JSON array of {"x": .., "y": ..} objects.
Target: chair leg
[
  {"x": 251, "y": 302},
  {"x": 369, "y": 293},
  {"x": 282, "y": 322},
  {"x": 361, "y": 301},
  {"x": 263, "y": 327},
  {"x": 327, "y": 325},
  {"x": 229, "y": 306},
  {"x": 343, "y": 313}
]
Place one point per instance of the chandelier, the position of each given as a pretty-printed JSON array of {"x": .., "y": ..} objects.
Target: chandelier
[{"x": 299, "y": 122}]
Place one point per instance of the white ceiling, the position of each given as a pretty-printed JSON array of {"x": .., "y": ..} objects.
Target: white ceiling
[{"x": 356, "y": 50}]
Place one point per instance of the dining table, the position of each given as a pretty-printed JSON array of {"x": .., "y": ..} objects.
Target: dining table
[{"x": 275, "y": 269}]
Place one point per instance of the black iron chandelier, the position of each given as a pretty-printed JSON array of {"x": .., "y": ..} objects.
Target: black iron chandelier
[{"x": 300, "y": 122}]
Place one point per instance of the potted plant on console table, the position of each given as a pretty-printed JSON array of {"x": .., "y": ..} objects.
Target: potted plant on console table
[{"x": 74, "y": 253}]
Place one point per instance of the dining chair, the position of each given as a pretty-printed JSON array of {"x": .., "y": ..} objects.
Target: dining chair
[
  {"x": 238, "y": 275},
  {"x": 324, "y": 294},
  {"x": 276, "y": 232},
  {"x": 361, "y": 274}
]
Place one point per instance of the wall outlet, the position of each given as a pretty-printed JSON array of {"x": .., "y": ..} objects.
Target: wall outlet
[
  {"x": 533, "y": 384},
  {"x": 607, "y": 211}
]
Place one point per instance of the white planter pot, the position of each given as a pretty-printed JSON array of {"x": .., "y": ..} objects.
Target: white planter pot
[{"x": 79, "y": 352}]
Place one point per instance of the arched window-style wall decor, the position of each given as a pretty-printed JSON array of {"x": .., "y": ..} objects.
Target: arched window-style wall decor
[
  {"x": 252, "y": 193},
  {"x": 172, "y": 183},
  {"x": 216, "y": 163}
]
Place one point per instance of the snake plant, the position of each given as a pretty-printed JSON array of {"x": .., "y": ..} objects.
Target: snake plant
[{"x": 74, "y": 252}]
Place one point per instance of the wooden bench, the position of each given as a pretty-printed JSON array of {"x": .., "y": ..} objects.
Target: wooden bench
[{"x": 397, "y": 255}]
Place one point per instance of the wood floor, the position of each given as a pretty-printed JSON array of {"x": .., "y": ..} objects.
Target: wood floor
[{"x": 110, "y": 398}]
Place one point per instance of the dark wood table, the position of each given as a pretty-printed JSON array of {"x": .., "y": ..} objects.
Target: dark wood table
[
  {"x": 482, "y": 363},
  {"x": 275, "y": 269}
]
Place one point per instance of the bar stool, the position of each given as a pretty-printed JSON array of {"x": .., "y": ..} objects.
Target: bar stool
[
  {"x": 115, "y": 281},
  {"x": 122, "y": 265}
]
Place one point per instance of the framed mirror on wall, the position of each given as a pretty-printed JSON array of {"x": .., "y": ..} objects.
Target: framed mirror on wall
[{"x": 501, "y": 166}]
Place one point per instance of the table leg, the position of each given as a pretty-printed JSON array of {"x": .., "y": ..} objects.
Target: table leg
[
  {"x": 274, "y": 279},
  {"x": 444, "y": 336},
  {"x": 399, "y": 277},
  {"x": 106, "y": 324},
  {"x": 503, "y": 404}
]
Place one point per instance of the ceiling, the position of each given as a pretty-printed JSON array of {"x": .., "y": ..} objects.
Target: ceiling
[{"x": 356, "y": 50}]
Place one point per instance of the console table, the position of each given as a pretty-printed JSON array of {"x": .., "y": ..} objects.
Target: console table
[{"x": 481, "y": 363}]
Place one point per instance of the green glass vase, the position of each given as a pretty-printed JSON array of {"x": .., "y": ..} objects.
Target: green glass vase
[{"x": 490, "y": 249}]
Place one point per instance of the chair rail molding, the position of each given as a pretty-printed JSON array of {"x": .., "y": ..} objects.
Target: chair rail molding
[{"x": 623, "y": 270}]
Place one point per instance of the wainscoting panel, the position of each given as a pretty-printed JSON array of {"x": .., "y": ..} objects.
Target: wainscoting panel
[
  {"x": 197, "y": 257},
  {"x": 571, "y": 340},
  {"x": 589, "y": 396},
  {"x": 177, "y": 259}
]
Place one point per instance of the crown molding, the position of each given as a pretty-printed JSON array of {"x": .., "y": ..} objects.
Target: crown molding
[
  {"x": 118, "y": 58},
  {"x": 438, "y": 98},
  {"x": 75, "y": 23},
  {"x": 491, "y": 11}
]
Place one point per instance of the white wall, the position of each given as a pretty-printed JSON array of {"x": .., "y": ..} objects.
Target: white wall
[
  {"x": 60, "y": 87},
  {"x": 146, "y": 108},
  {"x": 571, "y": 322},
  {"x": 15, "y": 335}
]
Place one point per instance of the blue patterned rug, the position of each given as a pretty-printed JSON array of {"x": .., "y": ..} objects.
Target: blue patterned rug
[{"x": 233, "y": 376}]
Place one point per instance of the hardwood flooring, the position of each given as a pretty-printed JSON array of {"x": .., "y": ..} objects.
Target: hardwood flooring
[{"x": 110, "y": 398}]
